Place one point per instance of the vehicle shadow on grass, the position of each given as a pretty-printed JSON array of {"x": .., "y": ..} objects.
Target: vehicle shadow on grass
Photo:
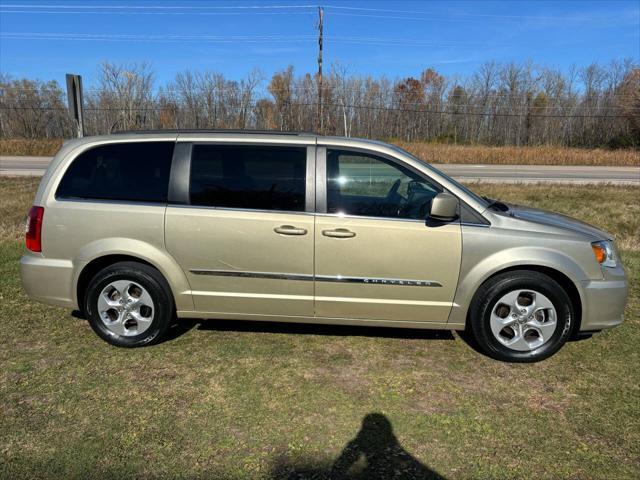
[
  {"x": 373, "y": 454},
  {"x": 468, "y": 338},
  {"x": 184, "y": 325}
]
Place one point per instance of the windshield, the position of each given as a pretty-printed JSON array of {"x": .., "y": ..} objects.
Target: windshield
[{"x": 471, "y": 193}]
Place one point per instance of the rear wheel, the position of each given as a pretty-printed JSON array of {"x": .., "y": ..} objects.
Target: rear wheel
[
  {"x": 521, "y": 316},
  {"x": 129, "y": 304}
]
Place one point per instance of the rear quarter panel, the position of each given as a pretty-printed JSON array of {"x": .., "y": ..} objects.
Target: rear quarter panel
[{"x": 79, "y": 231}]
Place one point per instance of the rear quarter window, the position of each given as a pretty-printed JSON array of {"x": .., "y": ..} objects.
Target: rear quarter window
[{"x": 121, "y": 171}]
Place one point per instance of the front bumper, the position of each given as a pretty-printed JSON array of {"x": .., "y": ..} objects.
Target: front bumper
[
  {"x": 48, "y": 280},
  {"x": 603, "y": 303}
]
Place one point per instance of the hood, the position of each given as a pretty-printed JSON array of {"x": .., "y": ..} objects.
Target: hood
[{"x": 557, "y": 220}]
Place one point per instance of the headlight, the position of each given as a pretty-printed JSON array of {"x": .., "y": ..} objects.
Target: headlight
[{"x": 605, "y": 253}]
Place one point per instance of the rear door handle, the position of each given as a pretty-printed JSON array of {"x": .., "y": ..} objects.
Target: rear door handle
[
  {"x": 290, "y": 230},
  {"x": 339, "y": 233}
]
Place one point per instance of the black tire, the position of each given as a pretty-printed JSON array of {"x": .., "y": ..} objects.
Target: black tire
[
  {"x": 490, "y": 293},
  {"x": 153, "y": 282}
]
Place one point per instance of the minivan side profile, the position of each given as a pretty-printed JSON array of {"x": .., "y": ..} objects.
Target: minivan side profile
[{"x": 138, "y": 229}]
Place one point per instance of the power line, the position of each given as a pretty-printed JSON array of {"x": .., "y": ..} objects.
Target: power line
[
  {"x": 311, "y": 90},
  {"x": 336, "y": 105},
  {"x": 165, "y": 38},
  {"x": 155, "y": 38},
  {"x": 152, "y": 36},
  {"x": 115, "y": 12},
  {"x": 431, "y": 18},
  {"x": 420, "y": 108},
  {"x": 137, "y": 9},
  {"x": 161, "y": 7},
  {"x": 463, "y": 14}
]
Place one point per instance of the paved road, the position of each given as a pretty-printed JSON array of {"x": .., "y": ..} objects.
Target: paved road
[
  {"x": 543, "y": 173},
  {"x": 23, "y": 166},
  {"x": 482, "y": 173}
]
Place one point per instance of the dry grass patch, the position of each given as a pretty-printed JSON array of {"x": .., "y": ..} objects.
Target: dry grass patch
[
  {"x": 430, "y": 152},
  {"x": 543, "y": 155},
  {"x": 16, "y": 196},
  {"x": 44, "y": 147},
  {"x": 615, "y": 209}
]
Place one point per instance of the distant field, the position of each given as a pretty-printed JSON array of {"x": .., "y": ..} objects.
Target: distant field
[
  {"x": 35, "y": 148},
  {"x": 233, "y": 400},
  {"x": 431, "y": 152},
  {"x": 544, "y": 155}
]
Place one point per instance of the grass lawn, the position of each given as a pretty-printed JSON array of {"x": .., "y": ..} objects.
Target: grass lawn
[{"x": 245, "y": 400}]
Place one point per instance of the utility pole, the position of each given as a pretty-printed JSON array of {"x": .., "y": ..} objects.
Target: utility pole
[
  {"x": 320, "y": 120},
  {"x": 344, "y": 117},
  {"x": 74, "y": 99}
]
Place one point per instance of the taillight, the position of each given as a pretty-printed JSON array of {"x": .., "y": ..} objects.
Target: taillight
[{"x": 33, "y": 235}]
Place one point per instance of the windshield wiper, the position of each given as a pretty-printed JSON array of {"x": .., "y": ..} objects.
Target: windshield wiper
[{"x": 496, "y": 205}]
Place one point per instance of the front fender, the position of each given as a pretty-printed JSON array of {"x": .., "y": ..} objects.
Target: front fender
[{"x": 474, "y": 273}]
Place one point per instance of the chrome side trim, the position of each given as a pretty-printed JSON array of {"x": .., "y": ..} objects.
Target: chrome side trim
[
  {"x": 320, "y": 278},
  {"x": 469, "y": 224},
  {"x": 269, "y": 275},
  {"x": 379, "y": 281}
]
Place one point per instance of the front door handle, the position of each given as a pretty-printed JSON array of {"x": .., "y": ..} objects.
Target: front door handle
[
  {"x": 339, "y": 233},
  {"x": 290, "y": 230}
]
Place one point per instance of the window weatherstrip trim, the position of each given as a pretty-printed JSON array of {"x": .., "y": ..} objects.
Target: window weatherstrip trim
[
  {"x": 179, "y": 174},
  {"x": 403, "y": 282},
  {"x": 470, "y": 224},
  {"x": 247, "y": 210},
  {"x": 310, "y": 186},
  {"x": 321, "y": 179}
]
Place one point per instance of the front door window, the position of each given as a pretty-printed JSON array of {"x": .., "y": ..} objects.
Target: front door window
[{"x": 365, "y": 185}]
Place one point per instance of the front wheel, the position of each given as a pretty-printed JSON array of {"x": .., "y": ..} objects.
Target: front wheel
[
  {"x": 129, "y": 304},
  {"x": 521, "y": 316}
]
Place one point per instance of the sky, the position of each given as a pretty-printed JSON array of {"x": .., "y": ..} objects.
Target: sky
[{"x": 46, "y": 39}]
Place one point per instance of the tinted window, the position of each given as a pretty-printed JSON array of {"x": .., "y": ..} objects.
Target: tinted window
[
  {"x": 361, "y": 184},
  {"x": 251, "y": 177},
  {"x": 122, "y": 171}
]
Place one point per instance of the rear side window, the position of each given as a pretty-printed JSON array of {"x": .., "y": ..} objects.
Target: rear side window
[
  {"x": 120, "y": 171},
  {"x": 248, "y": 177}
]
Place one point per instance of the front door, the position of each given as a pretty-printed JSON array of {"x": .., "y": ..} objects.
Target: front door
[
  {"x": 245, "y": 238},
  {"x": 376, "y": 256}
]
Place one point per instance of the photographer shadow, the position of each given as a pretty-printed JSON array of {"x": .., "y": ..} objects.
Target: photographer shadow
[{"x": 374, "y": 454}]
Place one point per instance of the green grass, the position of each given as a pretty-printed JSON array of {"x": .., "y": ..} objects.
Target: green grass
[{"x": 244, "y": 400}]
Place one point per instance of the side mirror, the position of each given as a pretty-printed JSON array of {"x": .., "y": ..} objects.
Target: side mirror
[{"x": 444, "y": 208}]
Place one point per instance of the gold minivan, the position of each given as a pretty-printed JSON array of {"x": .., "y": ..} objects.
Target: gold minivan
[{"x": 138, "y": 229}]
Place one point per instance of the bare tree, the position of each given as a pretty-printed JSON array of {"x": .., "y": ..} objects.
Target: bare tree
[{"x": 500, "y": 104}]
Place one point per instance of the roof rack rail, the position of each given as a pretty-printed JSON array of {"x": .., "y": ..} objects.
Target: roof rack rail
[{"x": 214, "y": 130}]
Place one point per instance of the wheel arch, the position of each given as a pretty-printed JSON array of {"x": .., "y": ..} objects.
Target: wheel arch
[
  {"x": 98, "y": 256},
  {"x": 94, "y": 266},
  {"x": 475, "y": 271},
  {"x": 561, "y": 278}
]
